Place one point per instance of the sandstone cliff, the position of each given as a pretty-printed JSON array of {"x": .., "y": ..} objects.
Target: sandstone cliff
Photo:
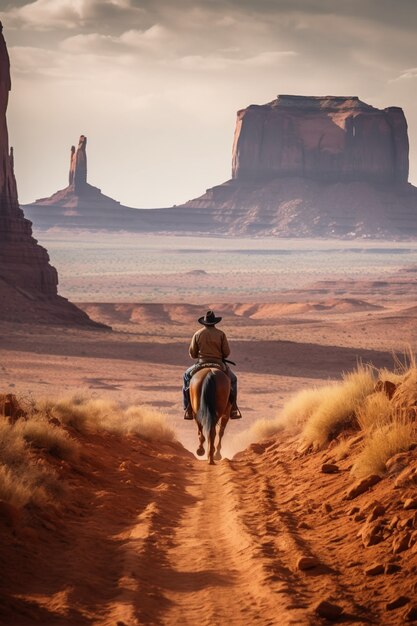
[
  {"x": 24, "y": 264},
  {"x": 316, "y": 166},
  {"x": 326, "y": 139}
]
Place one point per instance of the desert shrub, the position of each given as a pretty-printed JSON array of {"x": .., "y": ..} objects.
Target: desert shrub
[
  {"x": 382, "y": 441},
  {"x": 13, "y": 489},
  {"x": 344, "y": 447},
  {"x": 375, "y": 411},
  {"x": 22, "y": 480},
  {"x": 87, "y": 414},
  {"x": 140, "y": 420},
  {"x": 39, "y": 433},
  {"x": 337, "y": 408},
  {"x": 299, "y": 408}
]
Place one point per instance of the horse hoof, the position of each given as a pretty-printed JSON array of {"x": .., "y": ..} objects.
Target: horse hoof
[
  {"x": 211, "y": 462},
  {"x": 218, "y": 456},
  {"x": 200, "y": 451}
]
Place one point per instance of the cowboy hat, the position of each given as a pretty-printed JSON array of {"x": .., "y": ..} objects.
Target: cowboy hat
[{"x": 209, "y": 319}]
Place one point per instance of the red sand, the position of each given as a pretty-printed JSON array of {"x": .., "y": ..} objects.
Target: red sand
[{"x": 149, "y": 535}]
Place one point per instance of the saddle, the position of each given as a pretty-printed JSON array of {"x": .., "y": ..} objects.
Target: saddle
[{"x": 201, "y": 366}]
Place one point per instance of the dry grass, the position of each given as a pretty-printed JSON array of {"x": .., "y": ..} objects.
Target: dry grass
[
  {"x": 22, "y": 479},
  {"x": 86, "y": 414},
  {"x": 39, "y": 433},
  {"x": 337, "y": 407},
  {"x": 303, "y": 404},
  {"x": 375, "y": 411},
  {"x": 382, "y": 441}
]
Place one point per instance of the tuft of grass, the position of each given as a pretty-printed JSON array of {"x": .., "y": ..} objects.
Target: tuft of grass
[
  {"x": 337, "y": 407},
  {"x": 303, "y": 404},
  {"x": 86, "y": 414},
  {"x": 382, "y": 441},
  {"x": 22, "y": 479},
  {"x": 376, "y": 410},
  {"x": 38, "y": 432}
]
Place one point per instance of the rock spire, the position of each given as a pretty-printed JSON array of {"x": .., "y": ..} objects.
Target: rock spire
[{"x": 78, "y": 166}]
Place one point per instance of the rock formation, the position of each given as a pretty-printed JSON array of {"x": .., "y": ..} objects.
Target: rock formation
[
  {"x": 301, "y": 167},
  {"x": 326, "y": 166},
  {"x": 79, "y": 195},
  {"x": 22, "y": 262},
  {"x": 78, "y": 167},
  {"x": 326, "y": 139},
  {"x": 24, "y": 265}
]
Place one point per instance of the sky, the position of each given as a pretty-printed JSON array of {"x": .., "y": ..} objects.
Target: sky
[{"x": 155, "y": 84}]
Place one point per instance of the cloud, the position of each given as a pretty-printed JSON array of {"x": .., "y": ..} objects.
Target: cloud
[
  {"x": 409, "y": 73},
  {"x": 170, "y": 74}
]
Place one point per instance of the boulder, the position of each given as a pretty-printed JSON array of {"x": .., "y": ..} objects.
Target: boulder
[
  {"x": 377, "y": 510},
  {"x": 398, "y": 462},
  {"x": 404, "y": 400},
  {"x": 330, "y": 468},
  {"x": 407, "y": 477},
  {"x": 329, "y": 610},
  {"x": 392, "y": 568},
  {"x": 361, "y": 486},
  {"x": 371, "y": 534},
  {"x": 401, "y": 542},
  {"x": 375, "y": 569},
  {"x": 307, "y": 562}
]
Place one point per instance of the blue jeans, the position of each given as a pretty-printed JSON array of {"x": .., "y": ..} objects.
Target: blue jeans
[{"x": 186, "y": 385}]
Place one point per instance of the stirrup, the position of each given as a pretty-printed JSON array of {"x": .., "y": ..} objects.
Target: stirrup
[
  {"x": 235, "y": 413},
  {"x": 188, "y": 413}
]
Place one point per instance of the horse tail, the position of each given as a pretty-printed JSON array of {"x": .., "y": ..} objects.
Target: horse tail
[{"x": 207, "y": 414}]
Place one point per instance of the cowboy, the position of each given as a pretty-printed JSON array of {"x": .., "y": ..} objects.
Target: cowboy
[{"x": 209, "y": 345}]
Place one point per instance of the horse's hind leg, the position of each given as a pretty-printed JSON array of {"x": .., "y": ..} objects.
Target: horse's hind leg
[
  {"x": 223, "y": 422},
  {"x": 210, "y": 451},
  {"x": 200, "y": 450}
]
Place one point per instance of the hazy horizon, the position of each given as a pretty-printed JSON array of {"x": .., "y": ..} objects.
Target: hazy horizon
[{"x": 155, "y": 86}]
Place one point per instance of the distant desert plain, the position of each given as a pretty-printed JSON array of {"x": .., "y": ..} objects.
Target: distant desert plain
[{"x": 298, "y": 313}]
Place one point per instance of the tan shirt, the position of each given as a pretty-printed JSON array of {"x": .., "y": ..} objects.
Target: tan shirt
[{"x": 209, "y": 343}]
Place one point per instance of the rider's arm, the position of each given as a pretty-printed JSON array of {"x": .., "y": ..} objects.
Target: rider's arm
[
  {"x": 193, "y": 351},
  {"x": 225, "y": 347}
]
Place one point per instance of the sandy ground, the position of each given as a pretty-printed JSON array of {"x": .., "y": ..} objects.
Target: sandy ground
[
  {"x": 150, "y": 535},
  {"x": 279, "y": 347}
]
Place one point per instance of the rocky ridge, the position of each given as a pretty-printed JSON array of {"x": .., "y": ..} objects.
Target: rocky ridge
[{"x": 27, "y": 279}]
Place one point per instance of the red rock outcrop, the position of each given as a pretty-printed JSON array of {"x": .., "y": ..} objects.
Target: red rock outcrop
[
  {"x": 316, "y": 166},
  {"x": 79, "y": 197},
  {"x": 79, "y": 166},
  {"x": 24, "y": 264},
  {"x": 321, "y": 138}
]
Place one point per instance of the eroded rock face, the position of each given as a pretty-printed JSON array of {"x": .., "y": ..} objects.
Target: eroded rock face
[
  {"x": 23, "y": 263},
  {"x": 78, "y": 167},
  {"x": 328, "y": 139}
]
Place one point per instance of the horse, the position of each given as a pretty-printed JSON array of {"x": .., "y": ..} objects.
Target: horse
[{"x": 209, "y": 397}]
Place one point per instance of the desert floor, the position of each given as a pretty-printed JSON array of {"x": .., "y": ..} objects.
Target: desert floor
[
  {"x": 303, "y": 338},
  {"x": 155, "y": 536}
]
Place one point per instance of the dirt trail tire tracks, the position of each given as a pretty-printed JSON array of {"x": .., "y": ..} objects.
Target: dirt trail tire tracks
[{"x": 230, "y": 557}]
